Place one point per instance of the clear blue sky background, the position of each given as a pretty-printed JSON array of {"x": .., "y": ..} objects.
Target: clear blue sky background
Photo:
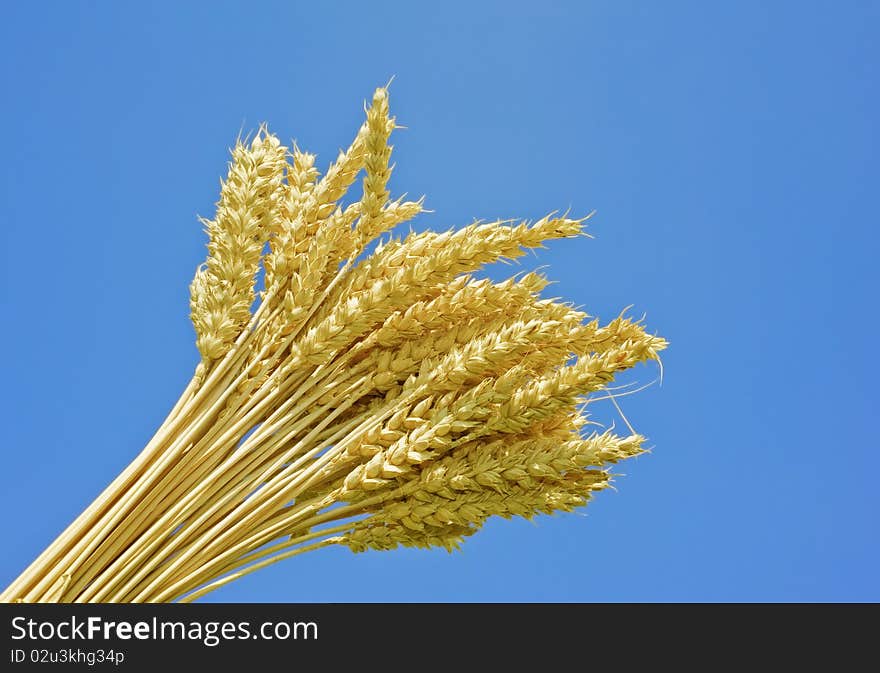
[{"x": 730, "y": 153}]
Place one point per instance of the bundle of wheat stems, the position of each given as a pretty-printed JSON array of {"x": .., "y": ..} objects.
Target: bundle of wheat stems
[{"x": 369, "y": 400}]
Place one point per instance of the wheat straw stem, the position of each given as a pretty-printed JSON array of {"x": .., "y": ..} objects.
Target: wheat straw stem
[
  {"x": 172, "y": 517},
  {"x": 257, "y": 566}
]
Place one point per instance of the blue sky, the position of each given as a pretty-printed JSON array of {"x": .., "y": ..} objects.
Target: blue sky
[{"x": 730, "y": 153}]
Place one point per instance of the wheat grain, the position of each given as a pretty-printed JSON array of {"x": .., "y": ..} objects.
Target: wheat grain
[
  {"x": 372, "y": 399},
  {"x": 222, "y": 293}
]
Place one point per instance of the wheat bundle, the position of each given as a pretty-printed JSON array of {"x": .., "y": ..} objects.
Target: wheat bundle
[{"x": 373, "y": 398}]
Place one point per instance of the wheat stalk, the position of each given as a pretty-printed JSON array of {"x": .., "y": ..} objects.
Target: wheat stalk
[{"x": 370, "y": 400}]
